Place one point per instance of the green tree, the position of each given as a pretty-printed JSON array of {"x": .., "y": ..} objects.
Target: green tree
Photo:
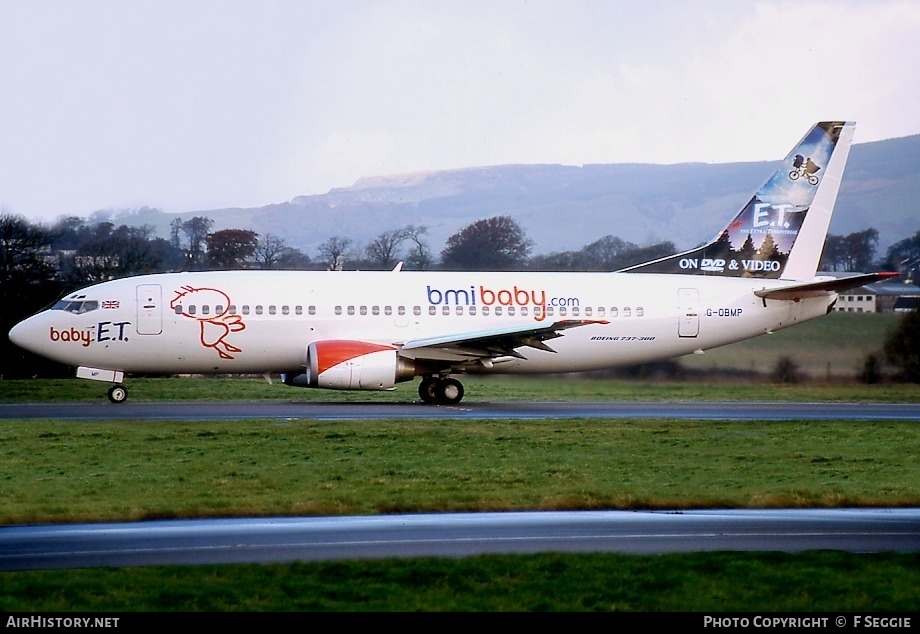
[
  {"x": 902, "y": 347},
  {"x": 28, "y": 281},
  {"x": 852, "y": 252},
  {"x": 196, "y": 229},
  {"x": 861, "y": 247},
  {"x": 231, "y": 248},
  {"x": 496, "y": 243},
  {"x": 22, "y": 250},
  {"x": 603, "y": 254},
  {"x": 904, "y": 256},
  {"x": 638, "y": 255}
]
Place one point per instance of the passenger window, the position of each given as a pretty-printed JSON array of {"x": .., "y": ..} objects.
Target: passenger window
[
  {"x": 640, "y": 311},
  {"x": 524, "y": 310},
  {"x": 192, "y": 310},
  {"x": 445, "y": 310},
  {"x": 613, "y": 311},
  {"x": 416, "y": 310},
  {"x": 562, "y": 310},
  {"x": 626, "y": 312},
  {"x": 351, "y": 310},
  {"x": 258, "y": 309},
  {"x": 459, "y": 310},
  {"x": 375, "y": 310},
  {"x": 432, "y": 310},
  {"x": 298, "y": 310},
  {"x": 338, "y": 310},
  {"x": 245, "y": 309},
  {"x": 205, "y": 309},
  {"x": 485, "y": 310},
  {"x": 511, "y": 310},
  {"x": 472, "y": 310},
  {"x": 271, "y": 309},
  {"x": 363, "y": 310},
  {"x": 218, "y": 310},
  {"x": 387, "y": 310},
  {"x": 401, "y": 310},
  {"x": 178, "y": 309},
  {"x": 285, "y": 310},
  {"x": 231, "y": 309},
  {"x": 575, "y": 311},
  {"x": 588, "y": 311},
  {"x": 498, "y": 310}
]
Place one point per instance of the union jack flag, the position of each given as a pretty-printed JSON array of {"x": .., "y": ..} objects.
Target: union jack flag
[{"x": 110, "y": 303}]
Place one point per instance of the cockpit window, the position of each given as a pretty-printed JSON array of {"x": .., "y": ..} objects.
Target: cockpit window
[{"x": 77, "y": 307}]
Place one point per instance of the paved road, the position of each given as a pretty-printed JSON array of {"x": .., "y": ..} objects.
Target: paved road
[
  {"x": 368, "y": 411},
  {"x": 268, "y": 540}
]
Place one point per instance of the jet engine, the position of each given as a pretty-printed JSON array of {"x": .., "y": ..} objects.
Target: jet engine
[{"x": 352, "y": 365}]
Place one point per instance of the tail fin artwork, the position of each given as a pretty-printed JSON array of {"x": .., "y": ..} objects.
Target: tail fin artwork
[{"x": 780, "y": 233}]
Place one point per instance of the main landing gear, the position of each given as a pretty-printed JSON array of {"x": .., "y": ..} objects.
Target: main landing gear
[
  {"x": 118, "y": 393},
  {"x": 440, "y": 391}
]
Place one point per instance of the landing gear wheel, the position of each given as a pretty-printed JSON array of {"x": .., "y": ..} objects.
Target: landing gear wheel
[
  {"x": 449, "y": 391},
  {"x": 439, "y": 391},
  {"x": 428, "y": 389},
  {"x": 118, "y": 393}
]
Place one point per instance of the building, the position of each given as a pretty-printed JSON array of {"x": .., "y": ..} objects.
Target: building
[{"x": 881, "y": 297}]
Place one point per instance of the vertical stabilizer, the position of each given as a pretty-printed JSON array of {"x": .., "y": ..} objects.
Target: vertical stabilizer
[{"x": 780, "y": 233}]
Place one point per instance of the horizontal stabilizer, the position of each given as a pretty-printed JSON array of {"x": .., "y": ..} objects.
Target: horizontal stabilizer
[{"x": 796, "y": 291}]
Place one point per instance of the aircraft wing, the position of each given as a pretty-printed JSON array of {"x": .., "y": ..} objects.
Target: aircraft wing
[
  {"x": 489, "y": 344},
  {"x": 800, "y": 289}
]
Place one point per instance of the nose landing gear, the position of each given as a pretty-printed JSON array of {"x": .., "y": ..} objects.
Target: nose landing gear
[{"x": 118, "y": 393}]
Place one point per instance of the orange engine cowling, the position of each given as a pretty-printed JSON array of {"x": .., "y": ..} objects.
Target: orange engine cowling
[{"x": 341, "y": 364}]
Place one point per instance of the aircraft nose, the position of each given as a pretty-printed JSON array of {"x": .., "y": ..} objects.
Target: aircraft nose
[{"x": 27, "y": 333}]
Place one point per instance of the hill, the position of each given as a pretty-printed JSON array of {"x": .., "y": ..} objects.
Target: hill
[{"x": 564, "y": 207}]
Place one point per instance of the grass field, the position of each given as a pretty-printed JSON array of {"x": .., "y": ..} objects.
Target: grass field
[
  {"x": 831, "y": 348},
  {"x": 59, "y": 471},
  {"x": 63, "y": 472}
]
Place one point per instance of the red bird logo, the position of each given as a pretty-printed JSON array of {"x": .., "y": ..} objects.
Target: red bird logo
[{"x": 216, "y": 327}]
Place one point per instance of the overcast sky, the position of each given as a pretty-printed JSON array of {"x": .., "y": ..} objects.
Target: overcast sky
[{"x": 193, "y": 105}]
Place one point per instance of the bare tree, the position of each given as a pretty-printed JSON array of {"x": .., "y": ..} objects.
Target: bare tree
[
  {"x": 272, "y": 252},
  {"x": 383, "y": 250},
  {"x": 269, "y": 251},
  {"x": 333, "y": 251},
  {"x": 419, "y": 257},
  {"x": 175, "y": 226}
]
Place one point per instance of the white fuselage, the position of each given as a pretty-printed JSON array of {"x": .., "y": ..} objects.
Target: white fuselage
[{"x": 263, "y": 321}]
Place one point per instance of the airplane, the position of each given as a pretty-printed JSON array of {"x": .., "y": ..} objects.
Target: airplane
[{"x": 370, "y": 330}]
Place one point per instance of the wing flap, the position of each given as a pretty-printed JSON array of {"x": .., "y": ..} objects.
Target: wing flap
[{"x": 490, "y": 344}]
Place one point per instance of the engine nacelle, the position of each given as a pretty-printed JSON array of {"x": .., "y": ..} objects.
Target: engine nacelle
[{"x": 352, "y": 365}]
